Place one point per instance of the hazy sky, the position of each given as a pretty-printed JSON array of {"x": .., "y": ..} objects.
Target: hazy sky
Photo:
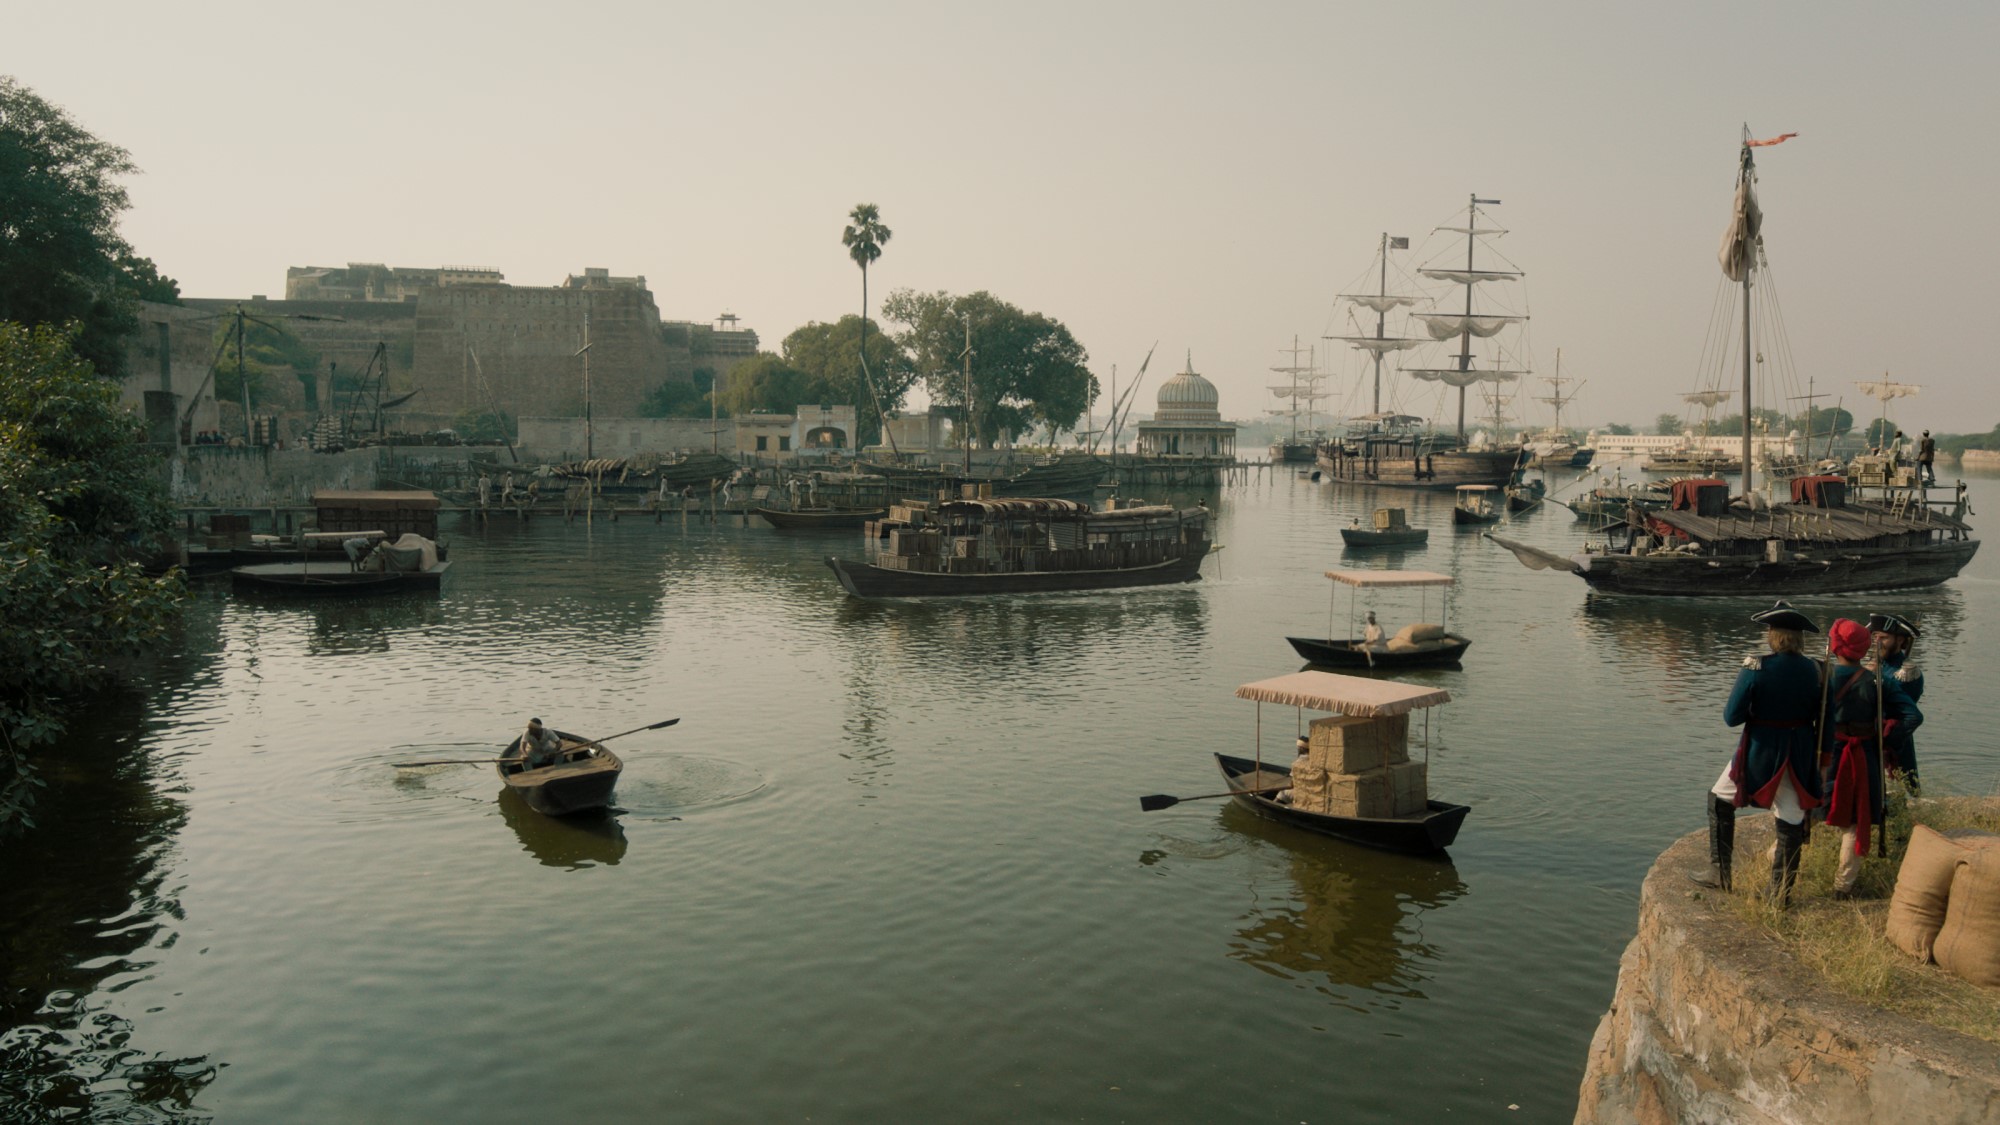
[{"x": 1205, "y": 176}]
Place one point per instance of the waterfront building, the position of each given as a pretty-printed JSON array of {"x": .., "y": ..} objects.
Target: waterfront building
[{"x": 1187, "y": 422}]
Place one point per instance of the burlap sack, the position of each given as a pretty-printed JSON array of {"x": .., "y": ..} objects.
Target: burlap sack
[
  {"x": 1923, "y": 886},
  {"x": 1968, "y": 947}
]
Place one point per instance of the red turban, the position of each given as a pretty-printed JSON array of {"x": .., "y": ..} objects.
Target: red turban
[{"x": 1848, "y": 639}]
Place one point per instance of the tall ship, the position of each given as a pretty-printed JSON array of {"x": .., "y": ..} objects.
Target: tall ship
[
  {"x": 1301, "y": 396},
  {"x": 1554, "y": 448},
  {"x": 1398, "y": 450},
  {"x": 1823, "y": 534}
]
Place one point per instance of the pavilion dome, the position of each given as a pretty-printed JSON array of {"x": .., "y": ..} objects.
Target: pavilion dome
[{"x": 1187, "y": 398}]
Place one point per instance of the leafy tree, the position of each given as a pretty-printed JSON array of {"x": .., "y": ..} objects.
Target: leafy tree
[
  {"x": 830, "y": 357},
  {"x": 1833, "y": 419},
  {"x": 1027, "y": 369},
  {"x": 269, "y": 350},
  {"x": 1619, "y": 429},
  {"x": 1768, "y": 421},
  {"x": 1959, "y": 443},
  {"x": 484, "y": 426},
  {"x": 1667, "y": 424},
  {"x": 61, "y": 256},
  {"x": 77, "y": 490},
  {"x": 764, "y": 382},
  {"x": 675, "y": 399},
  {"x": 864, "y": 237}
]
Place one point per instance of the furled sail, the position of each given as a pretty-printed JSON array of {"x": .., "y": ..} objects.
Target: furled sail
[
  {"x": 1471, "y": 277},
  {"x": 1706, "y": 398},
  {"x": 1889, "y": 389},
  {"x": 1443, "y": 326},
  {"x": 1299, "y": 392},
  {"x": 1381, "y": 304},
  {"x": 1453, "y": 377},
  {"x": 1746, "y": 220},
  {"x": 1378, "y": 345}
]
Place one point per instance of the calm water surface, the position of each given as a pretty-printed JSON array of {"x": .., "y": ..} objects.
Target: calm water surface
[{"x": 890, "y": 865}]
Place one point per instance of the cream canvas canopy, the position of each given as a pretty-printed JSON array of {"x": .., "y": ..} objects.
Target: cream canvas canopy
[
  {"x": 1346, "y": 695},
  {"x": 1390, "y": 577}
]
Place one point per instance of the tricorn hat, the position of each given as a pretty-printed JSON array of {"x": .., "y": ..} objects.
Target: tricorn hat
[
  {"x": 1893, "y": 624},
  {"x": 1783, "y": 616}
]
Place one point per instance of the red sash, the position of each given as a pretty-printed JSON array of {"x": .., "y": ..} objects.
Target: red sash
[{"x": 1737, "y": 768}]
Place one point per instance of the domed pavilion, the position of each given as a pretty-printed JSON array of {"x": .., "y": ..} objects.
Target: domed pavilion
[{"x": 1187, "y": 422}]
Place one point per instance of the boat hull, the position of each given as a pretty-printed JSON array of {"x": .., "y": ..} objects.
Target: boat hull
[
  {"x": 1343, "y": 653},
  {"x": 1462, "y": 517},
  {"x": 844, "y": 519},
  {"x": 1829, "y": 572},
  {"x": 1427, "y": 834},
  {"x": 566, "y": 787},
  {"x": 1431, "y": 472},
  {"x": 866, "y": 580},
  {"x": 1361, "y": 537},
  {"x": 332, "y": 580}
]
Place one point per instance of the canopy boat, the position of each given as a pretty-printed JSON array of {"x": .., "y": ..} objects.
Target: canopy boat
[
  {"x": 1822, "y": 540},
  {"x": 1478, "y": 503},
  {"x": 1419, "y": 645},
  {"x": 1357, "y": 802},
  {"x": 1392, "y": 529},
  {"x": 1525, "y": 494},
  {"x": 1388, "y": 450},
  {"x": 821, "y": 519},
  {"x": 408, "y": 563},
  {"x": 582, "y": 780},
  {"x": 1021, "y": 546}
]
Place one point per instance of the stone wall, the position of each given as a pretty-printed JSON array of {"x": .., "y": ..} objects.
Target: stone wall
[
  {"x": 167, "y": 364},
  {"x": 206, "y": 476},
  {"x": 562, "y": 439},
  {"x": 1988, "y": 459},
  {"x": 1713, "y": 1022}
]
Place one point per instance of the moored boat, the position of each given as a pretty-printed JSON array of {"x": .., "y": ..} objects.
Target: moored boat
[
  {"x": 1477, "y": 503},
  {"x": 1392, "y": 529},
  {"x": 409, "y": 563},
  {"x": 1421, "y": 644},
  {"x": 820, "y": 519},
  {"x": 583, "y": 780}
]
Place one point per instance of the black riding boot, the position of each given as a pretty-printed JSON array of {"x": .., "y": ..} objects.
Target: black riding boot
[
  {"x": 1721, "y": 843},
  {"x": 1785, "y": 862}
]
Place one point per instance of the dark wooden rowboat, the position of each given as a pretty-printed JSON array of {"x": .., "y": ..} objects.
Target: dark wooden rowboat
[
  {"x": 1427, "y": 833},
  {"x": 583, "y": 780},
  {"x": 821, "y": 519},
  {"x": 1363, "y": 537},
  {"x": 331, "y": 579},
  {"x": 1347, "y": 653}
]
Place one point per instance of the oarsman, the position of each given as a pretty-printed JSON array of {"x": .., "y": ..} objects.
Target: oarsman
[
  {"x": 539, "y": 746},
  {"x": 1893, "y": 637},
  {"x": 1776, "y": 701},
  {"x": 1864, "y": 708}
]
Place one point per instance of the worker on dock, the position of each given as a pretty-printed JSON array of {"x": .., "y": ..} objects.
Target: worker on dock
[
  {"x": 1894, "y": 635},
  {"x": 539, "y": 746},
  {"x": 1777, "y": 702},
  {"x": 1865, "y": 708},
  {"x": 1927, "y": 460}
]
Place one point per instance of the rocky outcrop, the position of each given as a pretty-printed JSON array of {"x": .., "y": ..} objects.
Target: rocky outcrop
[{"x": 1714, "y": 1022}]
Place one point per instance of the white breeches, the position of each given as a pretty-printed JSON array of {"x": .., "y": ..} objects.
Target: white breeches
[{"x": 1784, "y": 804}]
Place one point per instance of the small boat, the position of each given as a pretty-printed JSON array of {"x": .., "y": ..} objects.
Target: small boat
[
  {"x": 1413, "y": 646},
  {"x": 1428, "y": 827},
  {"x": 1523, "y": 495},
  {"x": 821, "y": 519},
  {"x": 1392, "y": 529},
  {"x": 413, "y": 567},
  {"x": 1477, "y": 503},
  {"x": 583, "y": 780}
]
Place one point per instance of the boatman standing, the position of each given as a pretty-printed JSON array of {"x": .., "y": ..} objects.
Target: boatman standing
[
  {"x": 1893, "y": 637},
  {"x": 1776, "y": 701},
  {"x": 1865, "y": 709},
  {"x": 1927, "y": 460},
  {"x": 539, "y": 746}
]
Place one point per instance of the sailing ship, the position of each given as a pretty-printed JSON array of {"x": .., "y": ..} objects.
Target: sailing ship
[
  {"x": 1300, "y": 394},
  {"x": 1554, "y": 448},
  {"x": 1826, "y": 539},
  {"x": 1390, "y": 450},
  {"x": 1694, "y": 458}
]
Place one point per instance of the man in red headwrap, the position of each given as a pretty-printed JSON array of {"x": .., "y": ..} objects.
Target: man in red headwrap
[{"x": 1865, "y": 708}]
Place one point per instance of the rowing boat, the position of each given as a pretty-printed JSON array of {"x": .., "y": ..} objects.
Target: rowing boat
[
  {"x": 821, "y": 519},
  {"x": 1430, "y": 831},
  {"x": 583, "y": 779}
]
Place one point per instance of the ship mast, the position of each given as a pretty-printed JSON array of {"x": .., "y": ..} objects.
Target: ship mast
[
  {"x": 1465, "y": 325},
  {"x": 1381, "y": 301},
  {"x": 1748, "y": 175}
]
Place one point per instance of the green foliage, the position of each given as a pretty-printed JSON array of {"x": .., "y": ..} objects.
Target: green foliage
[
  {"x": 674, "y": 399},
  {"x": 484, "y": 426},
  {"x": 62, "y": 259},
  {"x": 829, "y": 355},
  {"x": 1667, "y": 425},
  {"x": 1028, "y": 371},
  {"x": 1882, "y": 431},
  {"x": 269, "y": 350},
  {"x": 865, "y": 235},
  {"x": 1619, "y": 429},
  {"x": 77, "y": 492},
  {"x": 1767, "y": 421},
  {"x": 1834, "y": 420},
  {"x": 764, "y": 382},
  {"x": 1959, "y": 443}
]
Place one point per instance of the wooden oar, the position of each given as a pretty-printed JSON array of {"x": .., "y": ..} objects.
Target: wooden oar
[
  {"x": 1161, "y": 801},
  {"x": 509, "y": 761}
]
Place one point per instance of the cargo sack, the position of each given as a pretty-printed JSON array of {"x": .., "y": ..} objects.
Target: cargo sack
[
  {"x": 1968, "y": 947},
  {"x": 1923, "y": 885}
]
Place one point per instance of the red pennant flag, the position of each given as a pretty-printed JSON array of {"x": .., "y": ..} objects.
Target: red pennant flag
[{"x": 1777, "y": 140}]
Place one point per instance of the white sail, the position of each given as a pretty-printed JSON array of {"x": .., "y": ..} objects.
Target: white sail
[
  {"x": 1300, "y": 392},
  {"x": 1471, "y": 277},
  {"x": 1378, "y": 345},
  {"x": 1453, "y": 377},
  {"x": 1381, "y": 304},
  {"x": 1889, "y": 389},
  {"x": 1443, "y": 326},
  {"x": 1706, "y": 398},
  {"x": 1740, "y": 239}
]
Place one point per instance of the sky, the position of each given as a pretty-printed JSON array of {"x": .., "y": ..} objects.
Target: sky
[{"x": 1201, "y": 177}]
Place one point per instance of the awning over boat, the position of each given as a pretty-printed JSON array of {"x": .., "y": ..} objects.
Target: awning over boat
[
  {"x": 1345, "y": 695},
  {"x": 1380, "y": 578},
  {"x": 1019, "y": 506}
]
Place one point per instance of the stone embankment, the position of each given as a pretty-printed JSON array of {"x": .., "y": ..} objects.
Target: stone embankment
[{"x": 1714, "y": 1022}]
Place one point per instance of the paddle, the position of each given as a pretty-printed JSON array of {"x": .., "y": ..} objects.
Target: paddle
[
  {"x": 505, "y": 761},
  {"x": 1161, "y": 801}
]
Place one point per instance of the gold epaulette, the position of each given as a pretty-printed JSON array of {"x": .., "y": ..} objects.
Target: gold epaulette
[
  {"x": 1909, "y": 673},
  {"x": 1754, "y": 660}
]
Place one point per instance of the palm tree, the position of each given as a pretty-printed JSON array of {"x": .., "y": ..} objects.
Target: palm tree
[{"x": 864, "y": 238}]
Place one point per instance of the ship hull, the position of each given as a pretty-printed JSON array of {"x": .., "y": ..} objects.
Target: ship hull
[
  {"x": 1833, "y": 572},
  {"x": 865, "y": 580},
  {"x": 1432, "y": 472}
]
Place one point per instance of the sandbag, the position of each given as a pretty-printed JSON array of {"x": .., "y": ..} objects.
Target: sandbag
[
  {"x": 1417, "y": 634},
  {"x": 1968, "y": 947},
  {"x": 1923, "y": 885}
]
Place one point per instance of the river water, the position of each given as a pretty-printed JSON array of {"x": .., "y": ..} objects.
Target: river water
[{"x": 891, "y": 863}]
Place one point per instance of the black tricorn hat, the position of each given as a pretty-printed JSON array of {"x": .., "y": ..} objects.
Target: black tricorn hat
[
  {"x": 1893, "y": 624},
  {"x": 1783, "y": 616}
]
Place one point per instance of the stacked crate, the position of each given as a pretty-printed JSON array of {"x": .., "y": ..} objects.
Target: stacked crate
[{"x": 1359, "y": 767}]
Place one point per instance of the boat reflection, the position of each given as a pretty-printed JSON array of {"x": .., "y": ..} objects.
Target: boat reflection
[
  {"x": 591, "y": 839},
  {"x": 343, "y": 628},
  {"x": 1349, "y": 918}
]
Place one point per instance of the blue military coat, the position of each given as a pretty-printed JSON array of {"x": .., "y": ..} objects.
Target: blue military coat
[
  {"x": 1903, "y": 748},
  {"x": 1855, "y": 707},
  {"x": 1777, "y": 703}
]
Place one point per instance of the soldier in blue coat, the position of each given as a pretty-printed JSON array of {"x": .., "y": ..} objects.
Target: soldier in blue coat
[
  {"x": 1778, "y": 701},
  {"x": 1893, "y": 637},
  {"x": 1865, "y": 709}
]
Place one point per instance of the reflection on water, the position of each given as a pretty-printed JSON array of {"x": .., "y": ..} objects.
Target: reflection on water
[
  {"x": 89, "y": 915},
  {"x": 591, "y": 839},
  {"x": 1346, "y": 917}
]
